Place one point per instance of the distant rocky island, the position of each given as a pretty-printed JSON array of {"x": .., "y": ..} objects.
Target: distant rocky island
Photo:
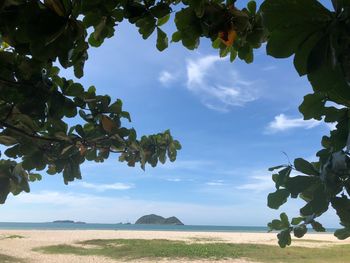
[
  {"x": 158, "y": 220},
  {"x": 68, "y": 222}
]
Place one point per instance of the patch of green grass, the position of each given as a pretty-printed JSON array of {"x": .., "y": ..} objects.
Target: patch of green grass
[
  {"x": 9, "y": 259},
  {"x": 312, "y": 241},
  {"x": 205, "y": 239},
  {"x": 13, "y": 236},
  {"x": 130, "y": 249}
]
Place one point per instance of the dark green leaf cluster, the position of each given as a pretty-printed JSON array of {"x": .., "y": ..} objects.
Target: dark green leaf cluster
[
  {"x": 216, "y": 20},
  {"x": 35, "y": 101},
  {"x": 319, "y": 40}
]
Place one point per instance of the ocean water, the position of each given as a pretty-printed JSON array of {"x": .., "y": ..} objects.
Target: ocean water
[{"x": 88, "y": 226}]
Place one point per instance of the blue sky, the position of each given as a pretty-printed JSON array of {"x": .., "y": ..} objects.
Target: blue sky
[{"x": 233, "y": 120}]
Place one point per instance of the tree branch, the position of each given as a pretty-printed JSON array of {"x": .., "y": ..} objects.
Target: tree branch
[{"x": 9, "y": 126}]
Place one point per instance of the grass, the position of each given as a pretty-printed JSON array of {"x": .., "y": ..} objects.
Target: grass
[
  {"x": 13, "y": 236},
  {"x": 9, "y": 259},
  {"x": 312, "y": 241},
  {"x": 130, "y": 249},
  {"x": 205, "y": 239}
]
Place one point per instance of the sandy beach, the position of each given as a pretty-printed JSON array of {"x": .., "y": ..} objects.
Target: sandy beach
[{"x": 22, "y": 247}]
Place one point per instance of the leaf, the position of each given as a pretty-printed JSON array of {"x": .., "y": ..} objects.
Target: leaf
[
  {"x": 298, "y": 184},
  {"x": 107, "y": 123},
  {"x": 163, "y": 20},
  {"x": 176, "y": 37},
  {"x": 275, "y": 225},
  {"x": 284, "y": 238},
  {"x": 297, "y": 220},
  {"x": 75, "y": 89},
  {"x": 313, "y": 106},
  {"x": 303, "y": 52},
  {"x": 252, "y": 6},
  {"x": 305, "y": 167},
  {"x": 228, "y": 37},
  {"x": 342, "y": 207},
  {"x": 281, "y": 177},
  {"x": 320, "y": 201},
  {"x": 284, "y": 220},
  {"x": 317, "y": 226},
  {"x": 342, "y": 234},
  {"x": 278, "y": 198},
  {"x": 162, "y": 40},
  {"x": 300, "y": 231},
  {"x": 7, "y": 140},
  {"x": 286, "y": 13}
]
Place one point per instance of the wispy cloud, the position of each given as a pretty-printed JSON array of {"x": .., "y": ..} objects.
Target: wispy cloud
[
  {"x": 174, "y": 179},
  {"x": 218, "y": 89},
  {"x": 282, "y": 123},
  {"x": 187, "y": 165},
  {"x": 258, "y": 183},
  {"x": 105, "y": 187},
  {"x": 216, "y": 183},
  {"x": 165, "y": 77}
]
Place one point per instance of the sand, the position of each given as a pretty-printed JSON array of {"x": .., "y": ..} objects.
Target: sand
[{"x": 22, "y": 247}]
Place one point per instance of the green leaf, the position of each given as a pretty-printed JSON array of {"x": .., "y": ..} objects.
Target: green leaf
[
  {"x": 281, "y": 177},
  {"x": 317, "y": 226},
  {"x": 287, "y": 13},
  {"x": 278, "y": 198},
  {"x": 284, "y": 220},
  {"x": 163, "y": 20},
  {"x": 7, "y": 140},
  {"x": 233, "y": 55},
  {"x": 313, "y": 106},
  {"x": 342, "y": 207},
  {"x": 284, "y": 43},
  {"x": 302, "y": 53},
  {"x": 298, "y": 184},
  {"x": 252, "y": 6},
  {"x": 305, "y": 167},
  {"x": 297, "y": 220},
  {"x": 75, "y": 89},
  {"x": 162, "y": 40},
  {"x": 343, "y": 233},
  {"x": 284, "y": 238},
  {"x": 176, "y": 37},
  {"x": 300, "y": 231},
  {"x": 275, "y": 225}
]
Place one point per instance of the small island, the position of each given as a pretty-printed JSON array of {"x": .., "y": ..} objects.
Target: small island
[
  {"x": 158, "y": 220},
  {"x": 68, "y": 222}
]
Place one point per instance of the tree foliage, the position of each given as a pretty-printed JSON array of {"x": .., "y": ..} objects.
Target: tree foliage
[{"x": 35, "y": 101}]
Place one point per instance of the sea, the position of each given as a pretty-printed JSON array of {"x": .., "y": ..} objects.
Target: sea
[
  {"x": 89, "y": 226},
  {"x": 95, "y": 226}
]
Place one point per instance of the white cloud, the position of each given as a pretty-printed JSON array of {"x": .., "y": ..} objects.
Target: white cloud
[
  {"x": 165, "y": 77},
  {"x": 269, "y": 68},
  {"x": 187, "y": 165},
  {"x": 216, "y": 183},
  {"x": 259, "y": 183},
  {"x": 174, "y": 179},
  {"x": 105, "y": 187},
  {"x": 219, "y": 89},
  {"x": 282, "y": 123}
]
